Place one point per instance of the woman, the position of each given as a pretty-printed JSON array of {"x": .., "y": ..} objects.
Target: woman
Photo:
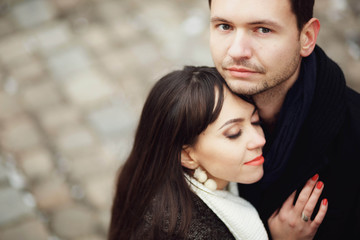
[{"x": 194, "y": 141}]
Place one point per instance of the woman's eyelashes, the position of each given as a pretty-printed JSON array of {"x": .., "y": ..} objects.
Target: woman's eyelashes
[
  {"x": 236, "y": 132},
  {"x": 233, "y": 135}
]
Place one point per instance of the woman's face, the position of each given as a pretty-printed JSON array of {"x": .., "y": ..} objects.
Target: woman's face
[{"x": 230, "y": 148}]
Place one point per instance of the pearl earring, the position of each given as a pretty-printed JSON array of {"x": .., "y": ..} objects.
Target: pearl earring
[{"x": 202, "y": 177}]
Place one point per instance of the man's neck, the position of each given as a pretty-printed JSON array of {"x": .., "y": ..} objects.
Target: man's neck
[{"x": 269, "y": 103}]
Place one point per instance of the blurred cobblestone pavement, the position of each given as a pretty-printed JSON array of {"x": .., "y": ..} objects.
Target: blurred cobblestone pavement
[{"x": 73, "y": 77}]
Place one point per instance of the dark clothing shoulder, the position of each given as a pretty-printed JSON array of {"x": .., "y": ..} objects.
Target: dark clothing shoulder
[{"x": 204, "y": 225}]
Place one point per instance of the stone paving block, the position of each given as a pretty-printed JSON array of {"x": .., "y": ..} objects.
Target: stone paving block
[
  {"x": 31, "y": 13},
  {"x": 90, "y": 162},
  {"x": 37, "y": 163},
  {"x": 3, "y": 175},
  {"x": 74, "y": 222},
  {"x": 165, "y": 19},
  {"x": 109, "y": 10},
  {"x": 99, "y": 190},
  {"x": 121, "y": 148},
  {"x": 52, "y": 36},
  {"x": 74, "y": 138},
  {"x": 9, "y": 106},
  {"x": 117, "y": 62},
  {"x": 13, "y": 50},
  {"x": 66, "y": 5},
  {"x": 136, "y": 88},
  {"x": 13, "y": 131},
  {"x": 6, "y": 27},
  {"x": 11, "y": 85},
  {"x": 125, "y": 30},
  {"x": 354, "y": 5},
  {"x": 52, "y": 194},
  {"x": 111, "y": 121},
  {"x": 137, "y": 51},
  {"x": 12, "y": 206},
  {"x": 57, "y": 117},
  {"x": 352, "y": 70},
  {"x": 41, "y": 95},
  {"x": 105, "y": 217},
  {"x": 88, "y": 87},
  {"x": 28, "y": 230},
  {"x": 25, "y": 73},
  {"x": 99, "y": 40},
  {"x": 68, "y": 61}
]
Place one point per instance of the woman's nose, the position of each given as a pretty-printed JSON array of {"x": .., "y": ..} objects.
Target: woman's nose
[{"x": 257, "y": 139}]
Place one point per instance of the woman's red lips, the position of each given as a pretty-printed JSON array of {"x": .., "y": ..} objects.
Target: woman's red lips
[{"x": 256, "y": 161}]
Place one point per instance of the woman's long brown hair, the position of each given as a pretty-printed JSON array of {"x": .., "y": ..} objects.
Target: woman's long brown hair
[{"x": 179, "y": 107}]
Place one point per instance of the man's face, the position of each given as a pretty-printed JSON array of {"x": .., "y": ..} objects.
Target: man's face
[{"x": 254, "y": 43}]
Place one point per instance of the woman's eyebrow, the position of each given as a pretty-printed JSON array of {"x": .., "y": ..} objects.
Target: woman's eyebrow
[{"x": 231, "y": 121}]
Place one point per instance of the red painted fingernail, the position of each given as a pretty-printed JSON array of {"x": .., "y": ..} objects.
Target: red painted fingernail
[
  {"x": 324, "y": 201},
  {"x": 319, "y": 184},
  {"x": 315, "y": 177}
]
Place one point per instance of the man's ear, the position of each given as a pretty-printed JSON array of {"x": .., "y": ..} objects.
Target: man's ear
[
  {"x": 186, "y": 160},
  {"x": 308, "y": 36}
]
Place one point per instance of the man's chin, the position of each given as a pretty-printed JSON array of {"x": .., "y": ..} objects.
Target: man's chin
[{"x": 244, "y": 88}]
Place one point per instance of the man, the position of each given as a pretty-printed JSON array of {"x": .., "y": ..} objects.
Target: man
[{"x": 267, "y": 51}]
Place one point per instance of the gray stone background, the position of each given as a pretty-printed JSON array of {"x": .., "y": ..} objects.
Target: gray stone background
[{"x": 73, "y": 77}]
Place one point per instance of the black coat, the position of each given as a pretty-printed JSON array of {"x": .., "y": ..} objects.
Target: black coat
[{"x": 328, "y": 144}]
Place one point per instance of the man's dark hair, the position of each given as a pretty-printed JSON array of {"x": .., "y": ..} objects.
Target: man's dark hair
[{"x": 303, "y": 10}]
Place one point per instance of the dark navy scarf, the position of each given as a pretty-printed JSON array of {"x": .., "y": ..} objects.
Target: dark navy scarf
[
  {"x": 292, "y": 115},
  {"x": 279, "y": 145}
]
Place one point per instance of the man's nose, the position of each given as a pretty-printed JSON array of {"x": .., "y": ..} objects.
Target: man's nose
[{"x": 240, "y": 46}]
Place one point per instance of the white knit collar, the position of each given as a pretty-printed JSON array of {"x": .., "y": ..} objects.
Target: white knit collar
[{"x": 240, "y": 217}]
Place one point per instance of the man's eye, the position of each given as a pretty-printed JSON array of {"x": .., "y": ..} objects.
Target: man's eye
[
  {"x": 264, "y": 30},
  {"x": 224, "y": 27}
]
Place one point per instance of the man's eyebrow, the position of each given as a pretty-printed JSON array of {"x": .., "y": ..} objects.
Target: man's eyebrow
[
  {"x": 257, "y": 22},
  {"x": 232, "y": 121},
  {"x": 219, "y": 19},
  {"x": 266, "y": 23}
]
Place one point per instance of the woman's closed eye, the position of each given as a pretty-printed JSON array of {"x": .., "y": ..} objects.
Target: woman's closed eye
[{"x": 233, "y": 135}]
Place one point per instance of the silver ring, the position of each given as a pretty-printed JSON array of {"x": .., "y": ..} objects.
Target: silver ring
[{"x": 304, "y": 217}]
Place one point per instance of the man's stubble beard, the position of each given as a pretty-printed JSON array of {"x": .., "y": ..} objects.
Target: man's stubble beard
[{"x": 272, "y": 83}]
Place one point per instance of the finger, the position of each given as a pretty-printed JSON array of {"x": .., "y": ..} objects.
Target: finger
[
  {"x": 311, "y": 203},
  {"x": 321, "y": 214},
  {"x": 305, "y": 194}
]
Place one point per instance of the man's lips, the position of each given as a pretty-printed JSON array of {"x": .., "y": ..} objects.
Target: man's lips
[
  {"x": 235, "y": 69},
  {"x": 256, "y": 161},
  {"x": 240, "y": 72}
]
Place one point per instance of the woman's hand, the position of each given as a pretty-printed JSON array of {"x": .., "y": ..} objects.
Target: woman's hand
[{"x": 294, "y": 222}]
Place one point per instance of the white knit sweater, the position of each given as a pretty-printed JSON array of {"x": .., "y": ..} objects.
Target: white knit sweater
[{"x": 238, "y": 215}]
